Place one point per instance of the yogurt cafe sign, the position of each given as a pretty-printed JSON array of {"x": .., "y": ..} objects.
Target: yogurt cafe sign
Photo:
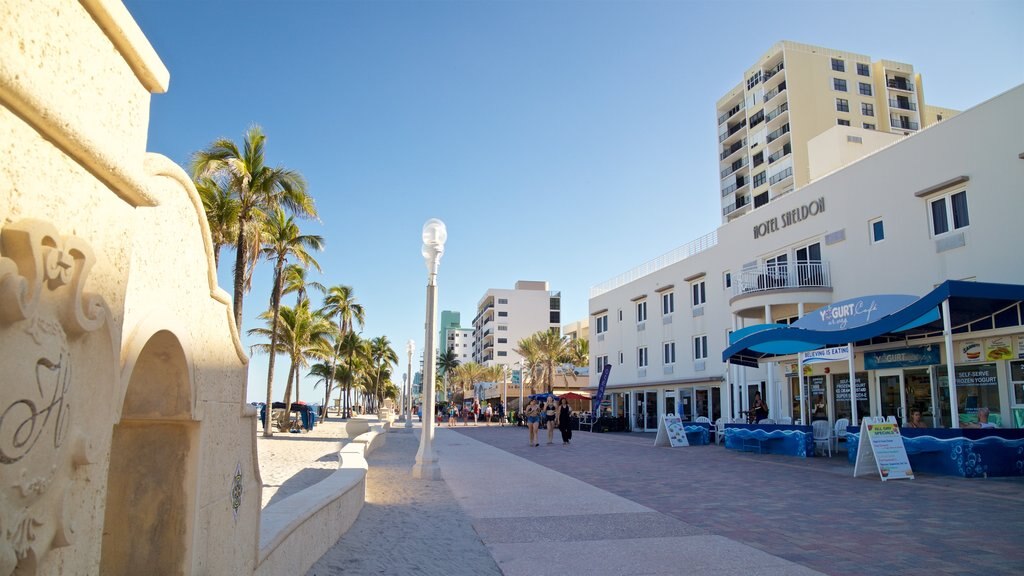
[
  {"x": 790, "y": 217},
  {"x": 854, "y": 313}
]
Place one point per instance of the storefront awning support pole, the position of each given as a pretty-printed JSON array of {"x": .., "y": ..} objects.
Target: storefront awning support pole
[
  {"x": 803, "y": 394},
  {"x": 853, "y": 389},
  {"x": 947, "y": 333}
]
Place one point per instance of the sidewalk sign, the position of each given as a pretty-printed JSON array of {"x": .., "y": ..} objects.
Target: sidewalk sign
[
  {"x": 883, "y": 443},
  {"x": 671, "y": 432}
]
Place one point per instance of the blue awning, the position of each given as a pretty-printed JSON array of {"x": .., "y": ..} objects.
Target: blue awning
[{"x": 973, "y": 306}]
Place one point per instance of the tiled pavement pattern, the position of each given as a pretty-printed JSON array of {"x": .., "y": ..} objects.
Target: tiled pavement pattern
[{"x": 808, "y": 511}]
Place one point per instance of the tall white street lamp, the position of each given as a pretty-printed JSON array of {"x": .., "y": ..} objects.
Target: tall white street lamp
[
  {"x": 410, "y": 347},
  {"x": 434, "y": 236}
]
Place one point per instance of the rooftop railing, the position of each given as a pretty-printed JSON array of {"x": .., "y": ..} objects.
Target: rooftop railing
[{"x": 679, "y": 254}]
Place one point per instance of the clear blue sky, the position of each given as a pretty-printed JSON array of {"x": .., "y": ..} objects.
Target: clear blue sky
[{"x": 559, "y": 141}]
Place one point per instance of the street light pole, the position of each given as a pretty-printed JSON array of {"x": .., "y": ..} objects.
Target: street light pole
[
  {"x": 410, "y": 347},
  {"x": 434, "y": 236}
]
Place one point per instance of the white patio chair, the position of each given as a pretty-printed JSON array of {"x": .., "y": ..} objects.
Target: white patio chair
[
  {"x": 703, "y": 419},
  {"x": 766, "y": 421},
  {"x": 822, "y": 435},
  {"x": 719, "y": 430},
  {"x": 786, "y": 420},
  {"x": 840, "y": 431}
]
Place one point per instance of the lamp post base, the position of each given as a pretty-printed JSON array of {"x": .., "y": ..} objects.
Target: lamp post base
[{"x": 426, "y": 470}]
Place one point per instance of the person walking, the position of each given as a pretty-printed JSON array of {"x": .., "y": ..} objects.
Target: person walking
[
  {"x": 488, "y": 414},
  {"x": 532, "y": 413},
  {"x": 501, "y": 414},
  {"x": 550, "y": 413},
  {"x": 476, "y": 413},
  {"x": 562, "y": 421}
]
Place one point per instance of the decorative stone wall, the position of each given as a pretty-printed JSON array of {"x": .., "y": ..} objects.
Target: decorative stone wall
[{"x": 126, "y": 446}]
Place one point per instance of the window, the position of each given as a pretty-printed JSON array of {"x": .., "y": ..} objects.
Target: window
[
  {"x": 641, "y": 311},
  {"x": 502, "y": 353},
  {"x": 842, "y": 105},
  {"x": 842, "y": 122},
  {"x": 602, "y": 361},
  {"x": 863, "y": 70},
  {"x": 668, "y": 303},
  {"x": 670, "y": 353},
  {"x": 500, "y": 341},
  {"x": 759, "y": 179},
  {"x": 620, "y": 320},
  {"x": 620, "y": 358},
  {"x": 877, "y": 231},
  {"x": 758, "y": 159},
  {"x": 949, "y": 213},
  {"x": 502, "y": 314},
  {"x": 699, "y": 297},
  {"x": 502, "y": 327},
  {"x": 864, "y": 88},
  {"x": 754, "y": 80},
  {"x": 867, "y": 109},
  {"x": 602, "y": 324},
  {"x": 869, "y": 126},
  {"x": 838, "y": 65},
  {"x": 839, "y": 84},
  {"x": 641, "y": 357},
  {"x": 727, "y": 279},
  {"x": 700, "y": 347},
  {"x": 502, "y": 300}
]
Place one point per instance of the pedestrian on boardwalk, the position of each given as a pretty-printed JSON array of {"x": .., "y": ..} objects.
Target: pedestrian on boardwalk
[
  {"x": 453, "y": 413},
  {"x": 488, "y": 414},
  {"x": 550, "y": 413},
  {"x": 562, "y": 421},
  {"x": 476, "y": 413},
  {"x": 532, "y": 413}
]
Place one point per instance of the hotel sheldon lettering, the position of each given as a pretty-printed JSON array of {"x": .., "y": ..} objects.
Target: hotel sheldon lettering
[{"x": 789, "y": 218}]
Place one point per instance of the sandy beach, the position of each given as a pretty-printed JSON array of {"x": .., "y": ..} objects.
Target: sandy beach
[{"x": 290, "y": 462}]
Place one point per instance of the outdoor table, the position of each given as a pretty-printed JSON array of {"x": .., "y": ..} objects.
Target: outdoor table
[
  {"x": 964, "y": 452},
  {"x": 787, "y": 439}
]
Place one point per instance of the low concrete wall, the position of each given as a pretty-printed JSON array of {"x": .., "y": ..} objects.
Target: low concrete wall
[
  {"x": 372, "y": 440},
  {"x": 297, "y": 531}
]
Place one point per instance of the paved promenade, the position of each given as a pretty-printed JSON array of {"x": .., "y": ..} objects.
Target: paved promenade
[{"x": 613, "y": 504}]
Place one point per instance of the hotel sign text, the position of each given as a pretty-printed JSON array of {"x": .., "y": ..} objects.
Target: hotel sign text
[{"x": 789, "y": 218}]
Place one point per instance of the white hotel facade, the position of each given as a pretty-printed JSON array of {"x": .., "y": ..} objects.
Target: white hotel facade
[{"x": 945, "y": 203}]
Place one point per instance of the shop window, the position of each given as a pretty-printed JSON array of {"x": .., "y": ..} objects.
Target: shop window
[
  {"x": 1017, "y": 380},
  {"x": 977, "y": 386},
  {"x": 949, "y": 213},
  {"x": 841, "y": 395}
]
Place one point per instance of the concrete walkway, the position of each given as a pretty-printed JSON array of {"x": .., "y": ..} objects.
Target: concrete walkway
[{"x": 496, "y": 512}]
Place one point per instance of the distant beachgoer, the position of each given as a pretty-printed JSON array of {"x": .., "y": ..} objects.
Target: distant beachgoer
[
  {"x": 532, "y": 413},
  {"x": 550, "y": 413},
  {"x": 562, "y": 421}
]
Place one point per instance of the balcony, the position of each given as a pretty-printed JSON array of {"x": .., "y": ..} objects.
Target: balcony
[
  {"x": 777, "y": 112},
  {"x": 732, "y": 130},
  {"x": 775, "y": 134},
  {"x": 778, "y": 155},
  {"x": 730, "y": 113},
  {"x": 780, "y": 176},
  {"x": 764, "y": 278},
  {"x": 773, "y": 71},
  {"x": 740, "y": 202},
  {"x": 734, "y": 167},
  {"x": 737, "y": 146},
  {"x": 899, "y": 84},
  {"x": 901, "y": 124},
  {"x": 740, "y": 183},
  {"x": 902, "y": 104},
  {"x": 774, "y": 92}
]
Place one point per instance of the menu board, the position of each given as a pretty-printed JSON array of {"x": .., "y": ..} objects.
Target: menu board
[
  {"x": 671, "y": 432},
  {"x": 882, "y": 443}
]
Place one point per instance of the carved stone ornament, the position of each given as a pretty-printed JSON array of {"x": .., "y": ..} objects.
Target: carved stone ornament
[{"x": 43, "y": 311}]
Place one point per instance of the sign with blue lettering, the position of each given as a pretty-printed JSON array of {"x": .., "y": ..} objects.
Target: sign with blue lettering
[
  {"x": 602, "y": 384},
  {"x": 835, "y": 354},
  {"x": 854, "y": 313},
  {"x": 903, "y": 357}
]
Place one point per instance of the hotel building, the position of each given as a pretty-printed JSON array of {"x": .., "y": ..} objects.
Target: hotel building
[
  {"x": 942, "y": 203},
  {"x": 504, "y": 317},
  {"x": 792, "y": 94}
]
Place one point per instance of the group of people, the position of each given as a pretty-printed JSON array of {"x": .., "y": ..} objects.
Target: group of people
[
  {"x": 550, "y": 415},
  {"x": 476, "y": 412}
]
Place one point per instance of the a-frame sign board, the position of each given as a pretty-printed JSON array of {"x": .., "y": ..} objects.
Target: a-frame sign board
[
  {"x": 882, "y": 443},
  {"x": 671, "y": 432}
]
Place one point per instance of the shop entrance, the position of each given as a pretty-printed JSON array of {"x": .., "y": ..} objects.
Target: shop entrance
[
  {"x": 918, "y": 385},
  {"x": 890, "y": 393},
  {"x": 646, "y": 413}
]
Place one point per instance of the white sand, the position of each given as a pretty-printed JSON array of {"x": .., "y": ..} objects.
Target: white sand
[{"x": 292, "y": 462}]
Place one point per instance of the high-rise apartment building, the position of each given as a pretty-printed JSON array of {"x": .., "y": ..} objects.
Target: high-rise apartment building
[
  {"x": 795, "y": 92},
  {"x": 449, "y": 320},
  {"x": 460, "y": 342},
  {"x": 504, "y": 317}
]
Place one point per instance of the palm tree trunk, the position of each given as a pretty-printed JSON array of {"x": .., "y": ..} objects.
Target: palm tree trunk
[
  {"x": 216, "y": 255},
  {"x": 240, "y": 259},
  {"x": 267, "y": 428}
]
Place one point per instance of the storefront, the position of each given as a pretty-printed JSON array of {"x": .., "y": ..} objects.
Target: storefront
[{"x": 901, "y": 359}]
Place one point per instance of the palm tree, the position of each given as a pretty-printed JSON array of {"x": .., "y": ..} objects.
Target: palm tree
[
  {"x": 284, "y": 241},
  {"x": 258, "y": 188},
  {"x": 340, "y": 303},
  {"x": 446, "y": 362},
  {"x": 322, "y": 372},
  {"x": 552, "y": 349},
  {"x": 528, "y": 350},
  {"x": 354, "y": 354},
  {"x": 294, "y": 280},
  {"x": 221, "y": 214},
  {"x": 577, "y": 353},
  {"x": 468, "y": 374},
  {"x": 383, "y": 356}
]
